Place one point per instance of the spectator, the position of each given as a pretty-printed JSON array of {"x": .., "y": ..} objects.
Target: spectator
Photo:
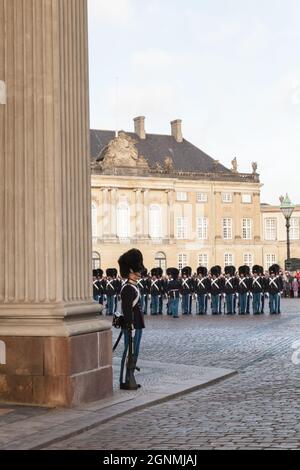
[{"x": 295, "y": 285}]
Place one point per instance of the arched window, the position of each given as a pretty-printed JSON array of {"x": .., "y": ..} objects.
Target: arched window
[
  {"x": 155, "y": 221},
  {"x": 96, "y": 260},
  {"x": 94, "y": 220},
  {"x": 161, "y": 261},
  {"x": 123, "y": 220}
]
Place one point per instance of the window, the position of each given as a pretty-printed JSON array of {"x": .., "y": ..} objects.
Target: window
[
  {"x": 270, "y": 229},
  {"x": 247, "y": 229},
  {"x": 94, "y": 220},
  {"x": 202, "y": 224},
  {"x": 226, "y": 197},
  {"x": 181, "y": 196},
  {"x": 227, "y": 229},
  {"x": 123, "y": 220},
  {"x": 294, "y": 229},
  {"x": 201, "y": 197},
  {"x": 182, "y": 260},
  {"x": 248, "y": 260},
  {"x": 161, "y": 261},
  {"x": 155, "y": 221},
  {"x": 181, "y": 227},
  {"x": 270, "y": 259},
  {"x": 246, "y": 198},
  {"x": 203, "y": 260},
  {"x": 96, "y": 260},
  {"x": 228, "y": 259}
]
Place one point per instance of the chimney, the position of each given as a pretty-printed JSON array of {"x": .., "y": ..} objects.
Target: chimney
[
  {"x": 176, "y": 130},
  {"x": 139, "y": 127}
]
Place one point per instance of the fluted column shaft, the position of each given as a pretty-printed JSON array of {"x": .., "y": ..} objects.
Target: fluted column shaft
[{"x": 45, "y": 220}]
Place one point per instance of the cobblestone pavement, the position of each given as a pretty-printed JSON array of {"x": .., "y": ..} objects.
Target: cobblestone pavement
[{"x": 257, "y": 408}]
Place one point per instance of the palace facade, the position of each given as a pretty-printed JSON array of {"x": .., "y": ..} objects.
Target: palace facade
[{"x": 175, "y": 203}]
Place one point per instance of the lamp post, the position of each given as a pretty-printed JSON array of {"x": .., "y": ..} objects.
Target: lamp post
[{"x": 287, "y": 208}]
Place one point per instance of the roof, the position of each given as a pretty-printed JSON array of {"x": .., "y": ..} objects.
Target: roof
[{"x": 155, "y": 148}]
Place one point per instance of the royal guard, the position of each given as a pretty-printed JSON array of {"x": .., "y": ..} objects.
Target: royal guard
[
  {"x": 155, "y": 291},
  {"x": 96, "y": 285},
  {"x": 159, "y": 272},
  {"x": 201, "y": 290},
  {"x": 257, "y": 289},
  {"x": 186, "y": 290},
  {"x": 230, "y": 289},
  {"x": 274, "y": 289},
  {"x": 143, "y": 286},
  {"x": 216, "y": 289},
  {"x": 112, "y": 289},
  {"x": 173, "y": 291},
  {"x": 243, "y": 288},
  {"x": 131, "y": 266},
  {"x": 101, "y": 286}
]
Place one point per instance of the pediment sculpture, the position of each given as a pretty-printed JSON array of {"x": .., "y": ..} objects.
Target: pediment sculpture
[{"x": 120, "y": 152}]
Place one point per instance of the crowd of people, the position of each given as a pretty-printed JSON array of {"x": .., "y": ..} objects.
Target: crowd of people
[{"x": 231, "y": 291}]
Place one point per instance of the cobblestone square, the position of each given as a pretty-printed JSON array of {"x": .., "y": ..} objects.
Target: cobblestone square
[{"x": 257, "y": 408}]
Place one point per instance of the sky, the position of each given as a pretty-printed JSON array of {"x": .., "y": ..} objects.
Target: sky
[{"x": 230, "y": 69}]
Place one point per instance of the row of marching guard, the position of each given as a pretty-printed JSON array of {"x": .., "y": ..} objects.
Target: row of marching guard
[{"x": 232, "y": 291}]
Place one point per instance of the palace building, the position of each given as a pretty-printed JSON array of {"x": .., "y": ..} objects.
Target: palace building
[{"x": 165, "y": 196}]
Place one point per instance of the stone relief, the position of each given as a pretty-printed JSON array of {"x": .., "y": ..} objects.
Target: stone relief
[{"x": 120, "y": 152}]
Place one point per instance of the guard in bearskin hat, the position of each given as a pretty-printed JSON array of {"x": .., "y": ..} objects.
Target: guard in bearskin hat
[
  {"x": 230, "y": 289},
  {"x": 201, "y": 290},
  {"x": 143, "y": 285},
  {"x": 173, "y": 292},
  {"x": 186, "y": 290},
  {"x": 155, "y": 291},
  {"x": 96, "y": 285},
  {"x": 159, "y": 273},
  {"x": 264, "y": 284},
  {"x": 274, "y": 289},
  {"x": 131, "y": 267},
  {"x": 112, "y": 289},
  {"x": 216, "y": 289},
  {"x": 257, "y": 289},
  {"x": 243, "y": 288}
]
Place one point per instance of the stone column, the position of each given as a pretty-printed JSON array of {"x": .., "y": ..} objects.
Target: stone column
[
  {"x": 106, "y": 213},
  {"x": 113, "y": 213},
  {"x": 146, "y": 214},
  {"x": 171, "y": 197},
  {"x": 58, "y": 352},
  {"x": 139, "y": 214}
]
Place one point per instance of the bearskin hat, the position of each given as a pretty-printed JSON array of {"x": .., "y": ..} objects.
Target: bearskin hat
[
  {"x": 274, "y": 269},
  {"x": 174, "y": 272},
  {"x": 245, "y": 270},
  {"x": 261, "y": 270},
  {"x": 256, "y": 269},
  {"x": 95, "y": 272},
  {"x": 216, "y": 270},
  {"x": 202, "y": 270},
  {"x": 144, "y": 273},
  {"x": 187, "y": 270},
  {"x": 230, "y": 270},
  {"x": 99, "y": 272},
  {"x": 168, "y": 271},
  {"x": 159, "y": 272},
  {"x": 111, "y": 272},
  {"x": 154, "y": 272},
  {"x": 131, "y": 261}
]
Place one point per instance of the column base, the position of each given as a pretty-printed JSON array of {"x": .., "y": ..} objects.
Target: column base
[{"x": 56, "y": 371}]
